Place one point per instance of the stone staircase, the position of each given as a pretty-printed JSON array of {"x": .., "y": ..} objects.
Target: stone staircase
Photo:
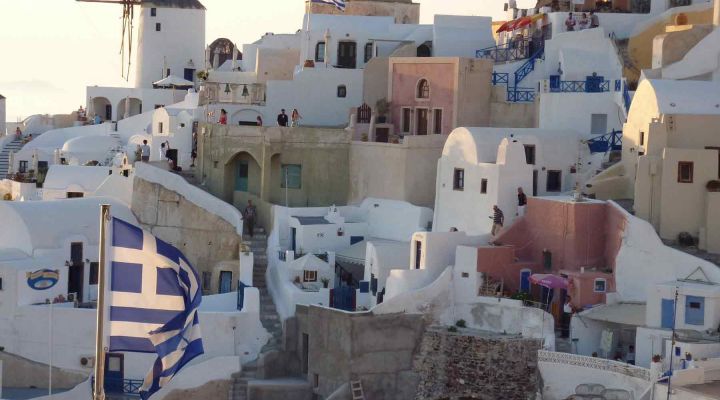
[
  {"x": 13, "y": 147},
  {"x": 268, "y": 317}
]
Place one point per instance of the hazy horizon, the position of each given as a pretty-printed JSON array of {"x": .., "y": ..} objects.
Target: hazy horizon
[{"x": 53, "y": 49}]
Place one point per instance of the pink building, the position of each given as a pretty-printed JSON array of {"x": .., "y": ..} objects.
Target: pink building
[
  {"x": 577, "y": 240},
  {"x": 434, "y": 95}
]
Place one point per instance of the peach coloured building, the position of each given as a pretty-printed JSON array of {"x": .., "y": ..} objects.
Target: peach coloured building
[
  {"x": 577, "y": 240},
  {"x": 434, "y": 95}
]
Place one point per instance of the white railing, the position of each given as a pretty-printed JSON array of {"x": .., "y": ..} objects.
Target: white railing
[{"x": 600, "y": 364}]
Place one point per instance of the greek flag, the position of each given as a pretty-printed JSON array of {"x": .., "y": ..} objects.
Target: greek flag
[
  {"x": 339, "y": 4},
  {"x": 153, "y": 300}
]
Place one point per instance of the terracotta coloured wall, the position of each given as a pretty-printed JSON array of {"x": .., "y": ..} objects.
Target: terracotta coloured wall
[
  {"x": 442, "y": 78},
  {"x": 577, "y": 234}
]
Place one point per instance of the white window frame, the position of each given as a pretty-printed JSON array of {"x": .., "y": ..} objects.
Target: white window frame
[
  {"x": 417, "y": 90},
  {"x": 310, "y": 276},
  {"x": 595, "y": 282}
]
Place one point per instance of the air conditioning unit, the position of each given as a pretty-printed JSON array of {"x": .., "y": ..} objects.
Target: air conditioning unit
[{"x": 87, "y": 361}]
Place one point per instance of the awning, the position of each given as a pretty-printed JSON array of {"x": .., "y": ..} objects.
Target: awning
[
  {"x": 620, "y": 313},
  {"x": 173, "y": 81},
  {"x": 519, "y": 23},
  {"x": 522, "y": 22},
  {"x": 504, "y": 27}
]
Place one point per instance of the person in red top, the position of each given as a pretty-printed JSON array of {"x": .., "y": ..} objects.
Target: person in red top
[{"x": 223, "y": 117}]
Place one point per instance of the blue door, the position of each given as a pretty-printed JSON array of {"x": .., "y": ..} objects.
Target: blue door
[
  {"x": 225, "y": 281},
  {"x": 694, "y": 310},
  {"x": 114, "y": 373},
  {"x": 343, "y": 298},
  {"x": 241, "y": 180},
  {"x": 525, "y": 280},
  {"x": 668, "y": 313}
]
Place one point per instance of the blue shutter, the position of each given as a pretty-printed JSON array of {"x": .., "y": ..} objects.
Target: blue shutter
[
  {"x": 694, "y": 310},
  {"x": 668, "y": 313}
]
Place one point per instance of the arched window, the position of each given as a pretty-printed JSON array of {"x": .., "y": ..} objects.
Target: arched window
[
  {"x": 342, "y": 91},
  {"x": 423, "y": 89}
]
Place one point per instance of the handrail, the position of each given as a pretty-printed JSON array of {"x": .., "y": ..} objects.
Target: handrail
[
  {"x": 611, "y": 141},
  {"x": 528, "y": 66},
  {"x": 580, "y": 87},
  {"x": 512, "y": 51}
]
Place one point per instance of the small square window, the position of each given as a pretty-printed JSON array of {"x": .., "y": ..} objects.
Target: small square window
[
  {"x": 320, "y": 52},
  {"x": 530, "y": 154},
  {"x": 600, "y": 285},
  {"x": 465, "y": 275},
  {"x": 309, "y": 276},
  {"x": 459, "y": 179},
  {"x": 160, "y": 127},
  {"x": 153, "y": 12},
  {"x": 94, "y": 267},
  {"x": 22, "y": 168},
  {"x": 483, "y": 186},
  {"x": 685, "y": 172},
  {"x": 158, "y": 27},
  {"x": 342, "y": 91}
]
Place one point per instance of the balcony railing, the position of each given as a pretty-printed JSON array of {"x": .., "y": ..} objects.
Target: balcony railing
[
  {"x": 520, "y": 95},
  {"x": 599, "y": 364},
  {"x": 518, "y": 50},
  {"x": 581, "y": 87},
  {"x": 500, "y": 78}
]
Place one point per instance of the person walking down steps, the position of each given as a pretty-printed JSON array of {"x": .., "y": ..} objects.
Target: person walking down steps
[{"x": 249, "y": 215}]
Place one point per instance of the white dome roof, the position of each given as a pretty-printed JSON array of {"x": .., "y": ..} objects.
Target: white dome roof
[{"x": 89, "y": 144}]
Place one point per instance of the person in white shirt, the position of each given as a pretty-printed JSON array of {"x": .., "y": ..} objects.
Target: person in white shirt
[{"x": 145, "y": 151}]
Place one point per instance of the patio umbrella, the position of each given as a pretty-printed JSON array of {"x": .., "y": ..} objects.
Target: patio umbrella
[
  {"x": 521, "y": 23},
  {"x": 549, "y": 281},
  {"x": 172, "y": 82},
  {"x": 504, "y": 27}
]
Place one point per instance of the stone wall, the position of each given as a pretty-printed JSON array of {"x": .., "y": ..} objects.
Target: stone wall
[
  {"x": 480, "y": 366},
  {"x": 203, "y": 237}
]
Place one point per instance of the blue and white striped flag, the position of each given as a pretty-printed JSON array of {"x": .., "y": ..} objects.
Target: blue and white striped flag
[
  {"x": 153, "y": 300},
  {"x": 339, "y": 4}
]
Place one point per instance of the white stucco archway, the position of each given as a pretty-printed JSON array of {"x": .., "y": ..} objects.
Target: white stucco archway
[
  {"x": 135, "y": 108},
  {"x": 102, "y": 107},
  {"x": 246, "y": 116}
]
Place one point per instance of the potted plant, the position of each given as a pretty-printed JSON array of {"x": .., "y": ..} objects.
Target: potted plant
[
  {"x": 713, "y": 186},
  {"x": 325, "y": 282},
  {"x": 202, "y": 75},
  {"x": 382, "y": 107},
  {"x": 309, "y": 64}
]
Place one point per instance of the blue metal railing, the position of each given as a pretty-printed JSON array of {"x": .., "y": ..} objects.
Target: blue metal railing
[
  {"x": 507, "y": 52},
  {"x": 129, "y": 386},
  {"x": 581, "y": 87},
  {"x": 500, "y": 78},
  {"x": 517, "y": 95},
  {"x": 608, "y": 142},
  {"x": 528, "y": 66}
]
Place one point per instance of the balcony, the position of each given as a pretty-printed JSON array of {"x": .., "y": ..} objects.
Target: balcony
[{"x": 234, "y": 93}]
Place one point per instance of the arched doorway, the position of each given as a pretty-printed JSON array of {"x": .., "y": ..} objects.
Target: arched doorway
[
  {"x": 101, "y": 106},
  {"x": 135, "y": 108},
  {"x": 243, "y": 174},
  {"x": 425, "y": 50},
  {"x": 224, "y": 49},
  {"x": 245, "y": 117}
]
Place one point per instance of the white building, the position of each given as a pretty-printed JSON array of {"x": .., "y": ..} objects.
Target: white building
[
  {"x": 483, "y": 167},
  {"x": 66, "y": 181},
  {"x": 171, "y": 42},
  {"x": 319, "y": 69}
]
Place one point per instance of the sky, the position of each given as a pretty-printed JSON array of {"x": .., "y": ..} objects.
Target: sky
[{"x": 50, "y": 50}]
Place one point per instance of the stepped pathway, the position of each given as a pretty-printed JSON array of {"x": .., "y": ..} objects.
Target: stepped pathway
[
  {"x": 13, "y": 147},
  {"x": 268, "y": 315}
]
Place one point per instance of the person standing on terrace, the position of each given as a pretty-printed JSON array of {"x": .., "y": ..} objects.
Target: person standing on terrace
[
  {"x": 570, "y": 23},
  {"x": 498, "y": 220},
  {"x": 223, "y": 117}
]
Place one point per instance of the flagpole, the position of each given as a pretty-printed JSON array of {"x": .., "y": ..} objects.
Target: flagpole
[{"x": 99, "y": 390}]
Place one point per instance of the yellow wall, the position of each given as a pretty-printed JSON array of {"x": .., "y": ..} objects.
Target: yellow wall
[{"x": 640, "y": 46}]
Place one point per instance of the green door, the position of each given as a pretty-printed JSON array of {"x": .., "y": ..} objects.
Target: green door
[{"x": 241, "y": 180}]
